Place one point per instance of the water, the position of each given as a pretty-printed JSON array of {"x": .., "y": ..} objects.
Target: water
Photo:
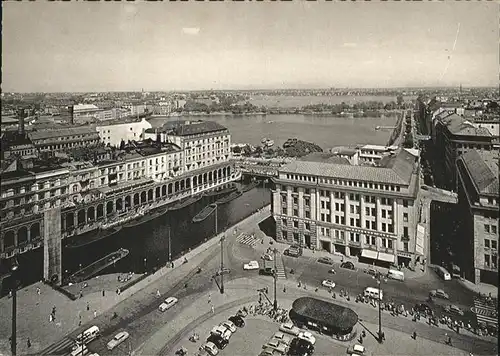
[
  {"x": 285, "y": 101},
  {"x": 324, "y": 130}
]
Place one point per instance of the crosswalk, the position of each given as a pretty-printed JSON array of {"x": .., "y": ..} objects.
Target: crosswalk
[
  {"x": 60, "y": 348},
  {"x": 247, "y": 239},
  {"x": 280, "y": 268},
  {"x": 486, "y": 313}
]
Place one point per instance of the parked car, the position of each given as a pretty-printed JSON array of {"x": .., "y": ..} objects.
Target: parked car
[
  {"x": 372, "y": 271},
  {"x": 347, "y": 265},
  {"x": 221, "y": 331},
  {"x": 229, "y": 325},
  {"x": 453, "y": 309},
  {"x": 307, "y": 336},
  {"x": 423, "y": 308},
  {"x": 277, "y": 345},
  {"x": 202, "y": 352},
  {"x": 268, "y": 271},
  {"x": 356, "y": 350},
  {"x": 237, "y": 320},
  {"x": 289, "y": 328},
  {"x": 117, "y": 340},
  {"x": 218, "y": 341},
  {"x": 325, "y": 260},
  {"x": 293, "y": 251},
  {"x": 168, "y": 303},
  {"x": 328, "y": 283},
  {"x": 270, "y": 352},
  {"x": 211, "y": 348},
  {"x": 299, "y": 347},
  {"x": 439, "y": 293},
  {"x": 267, "y": 257},
  {"x": 282, "y": 337},
  {"x": 251, "y": 266},
  {"x": 223, "y": 271}
]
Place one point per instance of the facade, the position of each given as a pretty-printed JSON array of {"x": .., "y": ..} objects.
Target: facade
[
  {"x": 369, "y": 211},
  {"x": 50, "y": 141},
  {"x": 478, "y": 199},
  {"x": 113, "y": 133},
  {"x": 84, "y": 112}
]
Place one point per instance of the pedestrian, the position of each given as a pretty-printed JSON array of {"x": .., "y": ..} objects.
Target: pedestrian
[
  {"x": 28, "y": 342},
  {"x": 213, "y": 309},
  {"x": 81, "y": 294},
  {"x": 414, "y": 335},
  {"x": 209, "y": 298},
  {"x": 158, "y": 293},
  {"x": 50, "y": 318},
  {"x": 95, "y": 313},
  {"x": 88, "y": 306},
  {"x": 37, "y": 292},
  {"x": 103, "y": 293}
]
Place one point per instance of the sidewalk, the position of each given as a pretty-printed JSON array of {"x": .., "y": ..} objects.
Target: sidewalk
[
  {"x": 482, "y": 288},
  {"x": 33, "y": 310}
]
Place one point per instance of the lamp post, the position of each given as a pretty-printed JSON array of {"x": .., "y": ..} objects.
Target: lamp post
[
  {"x": 379, "y": 283},
  {"x": 13, "y": 342},
  {"x": 222, "y": 264},
  {"x": 275, "y": 275}
]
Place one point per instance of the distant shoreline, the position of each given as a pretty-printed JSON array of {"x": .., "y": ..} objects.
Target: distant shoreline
[{"x": 354, "y": 115}]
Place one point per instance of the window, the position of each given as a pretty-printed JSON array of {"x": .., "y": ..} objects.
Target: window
[
  {"x": 283, "y": 211},
  {"x": 405, "y": 231},
  {"x": 486, "y": 228},
  {"x": 367, "y": 224},
  {"x": 405, "y": 203},
  {"x": 342, "y": 207},
  {"x": 296, "y": 224},
  {"x": 405, "y": 217},
  {"x": 295, "y": 200},
  {"x": 384, "y": 213},
  {"x": 487, "y": 260},
  {"x": 390, "y": 227},
  {"x": 384, "y": 243},
  {"x": 308, "y": 214},
  {"x": 296, "y": 236},
  {"x": 494, "y": 262},
  {"x": 384, "y": 227},
  {"x": 295, "y": 212},
  {"x": 374, "y": 213},
  {"x": 295, "y": 190},
  {"x": 284, "y": 234},
  {"x": 352, "y": 221},
  {"x": 367, "y": 211},
  {"x": 374, "y": 225},
  {"x": 337, "y": 207},
  {"x": 486, "y": 243},
  {"x": 308, "y": 226},
  {"x": 283, "y": 221},
  {"x": 493, "y": 229},
  {"x": 352, "y": 209},
  {"x": 389, "y": 243},
  {"x": 307, "y": 202},
  {"x": 494, "y": 244},
  {"x": 405, "y": 246},
  {"x": 337, "y": 219},
  {"x": 367, "y": 240}
]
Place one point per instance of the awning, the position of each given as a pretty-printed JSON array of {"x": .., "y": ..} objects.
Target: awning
[
  {"x": 386, "y": 257},
  {"x": 369, "y": 254}
]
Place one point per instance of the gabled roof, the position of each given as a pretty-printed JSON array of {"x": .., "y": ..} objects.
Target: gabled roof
[
  {"x": 45, "y": 134},
  {"x": 483, "y": 170},
  {"x": 197, "y": 127}
]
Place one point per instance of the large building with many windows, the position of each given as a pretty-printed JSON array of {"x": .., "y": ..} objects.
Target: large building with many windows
[
  {"x": 478, "y": 200},
  {"x": 327, "y": 202}
]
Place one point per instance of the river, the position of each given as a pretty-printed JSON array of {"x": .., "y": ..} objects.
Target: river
[{"x": 324, "y": 130}]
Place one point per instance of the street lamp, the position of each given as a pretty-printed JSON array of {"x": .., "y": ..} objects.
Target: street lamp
[
  {"x": 275, "y": 275},
  {"x": 13, "y": 342},
  {"x": 378, "y": 277},
  {"x": 222, "y": 264}
]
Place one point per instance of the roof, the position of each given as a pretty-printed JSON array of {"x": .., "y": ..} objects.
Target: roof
[
  {"x": 458, "y": 125},
  {"x": 197, "y": 127},
  {"x": 345, "y": 151},
  {"x": 483, "y": 170},
  {"x": 84, "y": 107},
  {"x": 324, "y": 157},
  {"x": 41, "y": 135},
  {"x": 395, "y": 169},
  {"x": 325, "y": 312}
]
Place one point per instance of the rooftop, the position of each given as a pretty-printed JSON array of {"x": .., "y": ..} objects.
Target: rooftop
[
  {"x": 45, "y": 134},
  {"x": 325, "y": 312},
  {"x": 197, "y": 127},
  {"x": 84, "y": 107},
  {"x": 458, "y": 125},
  {"x": 483, "y": 170},
  {"x": 395, "y": 169}
]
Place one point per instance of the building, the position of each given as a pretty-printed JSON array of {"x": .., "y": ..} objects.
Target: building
[
  {"x": 84, "y": 112},
  {"x": 114, "y": 132},
  {"x": 326, "y": 202},
  {"x": 478, "y": 200},
  {"x": 452, "y": 136},
  {"x": 50, "y": 141}
]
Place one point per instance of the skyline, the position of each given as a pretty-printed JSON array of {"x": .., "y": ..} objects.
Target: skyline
[{"x": 90, "y": 47}]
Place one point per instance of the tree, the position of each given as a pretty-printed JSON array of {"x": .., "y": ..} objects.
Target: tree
[
  {"x": 247, "y": 151},
  {"x": 236, "y": 149},
  {"x": 400, "y": 100},
  {"x": 122, "y": 145},
  {"x": 258, "y": 150}
]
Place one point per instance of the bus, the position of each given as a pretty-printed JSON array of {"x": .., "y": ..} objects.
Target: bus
[{"x": 443, "y": 273}]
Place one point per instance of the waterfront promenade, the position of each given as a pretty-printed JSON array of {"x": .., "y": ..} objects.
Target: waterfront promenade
[{"x": 33, "y": 309}]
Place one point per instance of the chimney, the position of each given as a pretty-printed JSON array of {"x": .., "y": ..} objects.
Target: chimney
[
  {"x": 20, "y": 117},
  {"x": 71, "y": 115}
]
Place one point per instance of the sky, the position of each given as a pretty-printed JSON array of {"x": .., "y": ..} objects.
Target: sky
[{"x": 96, "y": 46}]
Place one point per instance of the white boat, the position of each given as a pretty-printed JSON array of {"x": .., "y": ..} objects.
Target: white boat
[{"x": 269, "y": 143}]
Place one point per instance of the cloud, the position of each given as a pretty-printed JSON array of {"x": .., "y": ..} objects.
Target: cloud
[
  {"x": 193, "y": 31},
  {"x": 350, "y": 44}
]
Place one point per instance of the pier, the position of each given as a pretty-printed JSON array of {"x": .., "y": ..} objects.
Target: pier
[{"x": 96, "y": 267}]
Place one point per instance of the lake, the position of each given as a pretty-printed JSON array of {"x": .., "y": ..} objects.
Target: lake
[{"x": 287, "y": 101}]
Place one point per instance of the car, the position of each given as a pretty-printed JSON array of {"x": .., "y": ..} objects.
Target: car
[
  {"x": 269, "y": 352},
  {"x": 307, "y": 336},
  {"x": 229, "y": 325},
  {"x": 218, "y": 341},
  {"x": 222, "y": 271},
  {"x": 347, "y": 265},
  {"x": 332, "y": 271},
  {"x": 267, "y": 257},
  {"x": 293, "y": 251},
  {"x": 237, "y": 320},
  {"x": 372, "y": 271},
  {"x": 221, "y": 331},
  {"x": 299, "y": 347},
  {"x": 423, "y": 308},
  {"x": 289, "y": 328},
  {"x": 211, "y": 348},
  {"x": 453, "y": 309},
  {"x": 268, "y": 271},
  {"x": 168, "y": 303},
  {"x": 439, "y": 293},
  {"x": 277, "y": 345},
  {"x": 325, "y": 260},
  {"x": 202, "y": 352},
  {"x": 282, "y": 337},
  {"x": 424, "y": 187},
  {"x": 328, "y": 283},
  {"x": 356, "y": 350},
  {"x": 117, "y": 340},
  {"x": 251, "y": 266}
]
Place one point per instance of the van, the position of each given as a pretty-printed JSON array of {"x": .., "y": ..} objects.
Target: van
[
  {"x": 398, "y": 275},
  {"x": 374, "y": 293},
  {"x": 443, "y": 273},
  {"x": 79, "y": 351},
  {"x": 88, "y": 335}
]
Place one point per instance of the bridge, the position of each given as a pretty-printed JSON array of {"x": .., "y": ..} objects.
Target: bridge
[
  {"x": 422, "y": 137},
  {"x": 259, "y": 171}
]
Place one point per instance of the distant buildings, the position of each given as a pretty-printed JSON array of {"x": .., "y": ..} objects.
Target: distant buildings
[
  {"x": 478, "y": 200},
  {"x": 114, "y": 132},
  {"x": 50, "y": 141},
  {"x": 342, "y": 204}
]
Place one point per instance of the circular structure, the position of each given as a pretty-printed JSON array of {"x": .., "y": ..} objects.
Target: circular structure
[{"x": 325, "y": 317}]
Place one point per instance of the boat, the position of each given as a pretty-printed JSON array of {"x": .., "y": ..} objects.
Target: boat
[
  {"x": 145, "y": 218},
  {"x": 202, "y": 215},
  {"x": 229, "y": 198},
  {"x": 185, "y": 202},
  {"x": 226, "y": 190},
  {"x": 97, "y": 266},
  {"x": 263, "y": 141},
  {"x": 267, "y": 142},
  {"x": 91, "y": 237},
  {"x": 250, "y": 186}
]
